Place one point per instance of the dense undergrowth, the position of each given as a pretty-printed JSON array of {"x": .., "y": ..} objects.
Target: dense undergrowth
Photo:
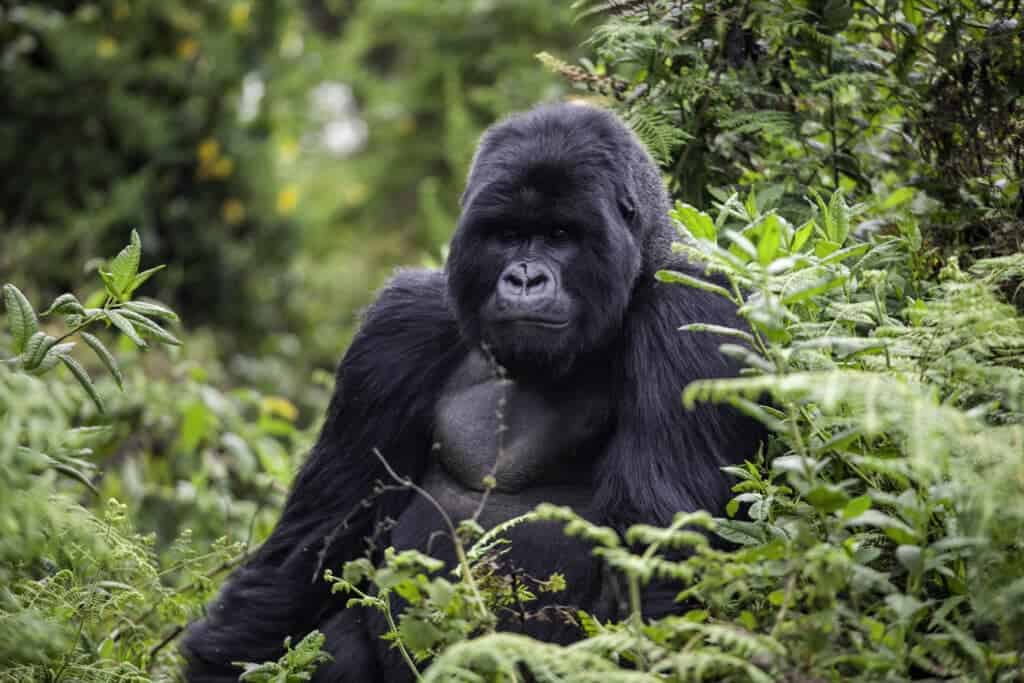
[{"x": 853, "y": 169}]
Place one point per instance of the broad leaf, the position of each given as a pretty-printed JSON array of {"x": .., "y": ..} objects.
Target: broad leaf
[{"x": 21, "y": 318}]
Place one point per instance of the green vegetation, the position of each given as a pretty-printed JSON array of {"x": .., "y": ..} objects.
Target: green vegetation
[{"x": 853, "y": 169}]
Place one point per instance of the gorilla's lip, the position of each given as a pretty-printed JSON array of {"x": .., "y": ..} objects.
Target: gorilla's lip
[{"x": 546, "y": 323}]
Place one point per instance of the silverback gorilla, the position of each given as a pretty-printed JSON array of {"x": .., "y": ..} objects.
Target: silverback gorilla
[{"x": 550, "y": 274}]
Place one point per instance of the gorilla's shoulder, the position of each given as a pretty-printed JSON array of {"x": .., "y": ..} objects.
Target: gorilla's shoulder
[
  {"x": 410, "y": 295},
  {"x": 409, "y": 324},
  {"x": 660, "y": 309}
]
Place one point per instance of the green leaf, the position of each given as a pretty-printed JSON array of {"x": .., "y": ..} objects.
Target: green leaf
[
  {"x": 125, "y": 266},
  {"x": 148, "y": 308},
  {"x": 813, "y": 287},
  {"x": 141, "y": 278},
  {"x": 910, "y": 557},
  {"x": 53, "y": 355},
  {"x": 776, "y": 598},
  {"x": 894, "y": 528},
  {"x": 418, "y": 634},
  {"x": 823, "y": 248},
  {"x": 109, "y": 284},
  {"x": 718, "y": 329},
  {"x": 771, "y": 237},
  {"x": 827, "y": 497},
  {"x": 690, "y": 281},
  {"x": 83, "y": 378},
  {"x": 107, "y": 358},
  {"x": 848, "y": 252},
  {"x": 698, "y": 223},
  {"x": 898, "y": 198},
  {"x": 66, "y": 304},
  {"x": 21, "y": 318},
  {"x": 801, "y": 236},
  {"x": 840, "y": 213},
  {"x": 151, "y": 328},
  {"x": 122, "y": 323},
  {"x": 857, "y": 506},
  {"x": 741, "y": 245},
  {"x": 36, "y": 350}
]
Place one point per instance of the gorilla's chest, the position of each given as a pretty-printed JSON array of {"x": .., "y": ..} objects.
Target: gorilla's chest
[
  {"x": 538, "y": 445},
  {"x": 522, "y": 436}
]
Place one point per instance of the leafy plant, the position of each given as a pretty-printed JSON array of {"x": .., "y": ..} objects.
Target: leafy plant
[{"x": 38, "y": 352}]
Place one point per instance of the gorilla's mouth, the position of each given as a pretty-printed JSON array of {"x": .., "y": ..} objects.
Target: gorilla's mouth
[{"x": 538, "y": 322}]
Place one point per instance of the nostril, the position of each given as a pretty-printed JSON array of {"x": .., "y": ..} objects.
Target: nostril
[
  {"x": 536, "y": 281},
  {"x": 514, "y": 280}
]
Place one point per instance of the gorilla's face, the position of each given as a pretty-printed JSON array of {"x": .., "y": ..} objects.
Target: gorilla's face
[{"x": 544, "y": 259}]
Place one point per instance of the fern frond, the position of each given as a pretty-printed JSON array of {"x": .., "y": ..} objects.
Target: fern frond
[
  {"x": 659, "y": 134},
  {"x": 765, "y": 122},
  {"x": 587, "y": 8}
]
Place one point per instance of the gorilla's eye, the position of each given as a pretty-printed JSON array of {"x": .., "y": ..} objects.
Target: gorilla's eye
[
  {"x": 508, "y": 234},
  {"x": 560, "y": 234}
]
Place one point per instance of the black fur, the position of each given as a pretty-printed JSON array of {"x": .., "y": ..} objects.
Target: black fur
[{"x": 562, "y": 165}]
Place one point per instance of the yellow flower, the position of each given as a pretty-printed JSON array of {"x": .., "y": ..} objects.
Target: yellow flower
[
  {"x": 188, "y": 48},
  {"x": 208, "y": 151},
  {"x": 223, "y": 168},
  {"x": 280, "y": 407},
  {"x": 232, "y": 211},
  {"x": 240, "y": 15},
  {"x": 287, "y": 200},
  {"x": 106, "y": 47}
]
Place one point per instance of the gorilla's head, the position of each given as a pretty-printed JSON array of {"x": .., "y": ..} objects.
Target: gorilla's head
[{"x": 563, "y": 213}]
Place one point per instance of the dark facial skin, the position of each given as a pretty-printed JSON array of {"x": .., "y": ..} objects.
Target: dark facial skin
[{"x": 535, "y": 252}]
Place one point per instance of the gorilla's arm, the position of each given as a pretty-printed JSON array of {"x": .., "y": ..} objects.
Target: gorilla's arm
[
  {"x": 662, "y": 458},
  {"x": 387, "y": 385}
]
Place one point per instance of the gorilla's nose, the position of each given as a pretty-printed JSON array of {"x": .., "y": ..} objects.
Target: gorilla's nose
[{"x": 525, "y": 280}]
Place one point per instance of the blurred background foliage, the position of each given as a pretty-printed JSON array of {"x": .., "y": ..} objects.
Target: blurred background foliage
[{"x": 282, "y": 157}]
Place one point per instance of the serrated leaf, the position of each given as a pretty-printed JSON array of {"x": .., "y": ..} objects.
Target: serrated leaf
[
  {"x": 52, "y": 357},
  {"x": 770, "y": 238},
  {"x": 21, "y": 318},
  {"x": 125, "y": 266},
  {"x": 698, "y": 223},
  {"x": 107, "y": 358},
  {"x": 35, "y": 350},
  {"x": 147, "y": 326},
  {"x": 123, "y": 324},
  {"x": 151, "y": 309},
  {"x": 66, "y": 304},
  {"x": 141, "y": 278},
  {"x": 83, "y": 378},
  {"x": 718, "y": 329},
  {"x": 812, "y": 287},
  {"x": 109, "y": 284},
  {"x": 690, "y": 281},
  {"x": 801, "y": 236}
]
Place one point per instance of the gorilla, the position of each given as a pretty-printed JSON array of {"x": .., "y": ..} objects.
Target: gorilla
[{"x": 547, "y": 307}]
